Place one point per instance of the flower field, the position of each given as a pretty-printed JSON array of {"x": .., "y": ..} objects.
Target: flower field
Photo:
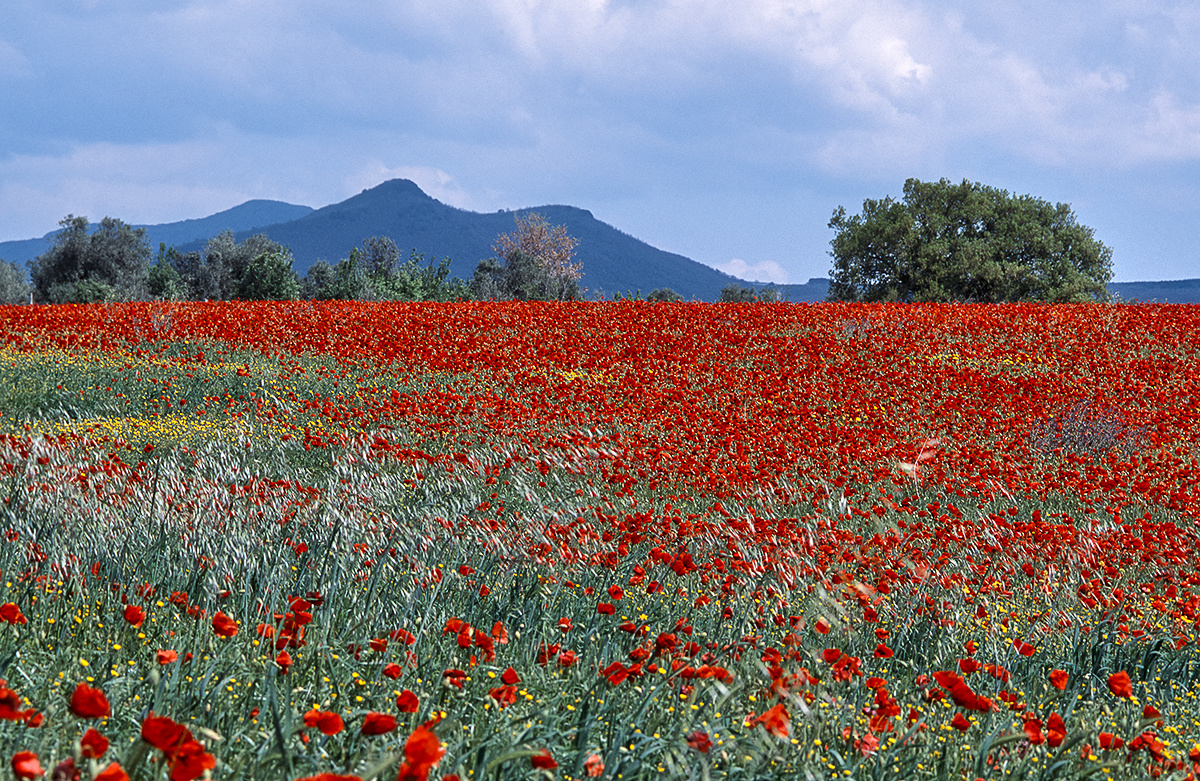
[{"x": 616, "y": 540}]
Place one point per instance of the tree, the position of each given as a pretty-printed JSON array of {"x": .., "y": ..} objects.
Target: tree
[
  {"x": 965, "y": 242},
  {"x": 270, "y": 277},
  {"x": 663, "y": 294},
  {"x": 552, "y": 251},
  {"x": 737, "y": 294},
  {"x": 13, "y": 287},
  {"x": 164, "y": 280},
  {"x": 218, "y": 275},
  {"x": 317, "y": 281},
  {"x": 83, "y": 265}
]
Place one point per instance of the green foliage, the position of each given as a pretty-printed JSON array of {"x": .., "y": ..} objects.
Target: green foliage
[
  {"x": 663, "y": 294},
  {"x": 317, "y": 281},
  {"x": 522, "y": 277},
  {"x": 218, "y": 272},
  {"x": 13, "y": 287},
  {"x": 270, "y": 277},
  {"x": 734, "y": 293},
  {"x": 965, "y": 242},
  {"x": 164, "y": 280},
  {"x": 82, "y": 265}
]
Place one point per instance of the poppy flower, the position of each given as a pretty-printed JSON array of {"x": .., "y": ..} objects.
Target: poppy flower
[
  {"x": 392, "y": 670},
  {"x": 510, "y": 676},
  {"x": 700, "y": 741},
  {"x": 1023, "y": 648},
  {"x": 593, "y": 766},
  {"x": 1120, "y": 685},
  {"x": 378, "y": 723},
  {"x": 1058, "y": 679},
  {"x": 89, "y": 703},
  {"x": 1056, "y": 730},
  {"x": 189, "y": 761},
  {"x": 822, "y": 626},
  {"x": 616, "y": 593},
  {"x": 606, "y": 608},
  {"x": 166, "y": 656},
  {"x": 1110, "y": 742},
  {"x": 402, "y": 636},
  {"x": 407, "y": 702},
  {"x": 959, "y": 722},
  {"x": 25, "y": 765},
  {"x": 284, "y": 660},
  {"x": 831, "y": 655},
  {"x": 11, "y": 614},
  {"x": 223, "y": 625},
  {"x": 1033, "y": 731},
  {"x": 543, "y": 760},
  {"x": 114, "y": 772},
  {"x": 455, "y": 677},
  {"x": 776, "y": 720},
  {"x": 504, "y": 695},
  {"x": 329, "y": 777},
  {"x": 10, "y": 704},
  {"x": 134, "y": 615},
  {"x": 567, "y": 658},
  {"x": 422, "y": 751},
  {"x": 163, "y": 733},
  {"x": 326, "y": 722},
  {"x": 93, "y": 744}
]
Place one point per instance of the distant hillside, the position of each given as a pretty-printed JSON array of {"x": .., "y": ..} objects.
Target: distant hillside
[
  {"x": 613, "y": 262},
  {"x": 248, "y": 216},
  {"x": 1180, "y": 291}
]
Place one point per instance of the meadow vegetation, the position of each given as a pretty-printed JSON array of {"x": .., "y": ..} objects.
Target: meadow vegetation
[{"x": 338, "y": 540}]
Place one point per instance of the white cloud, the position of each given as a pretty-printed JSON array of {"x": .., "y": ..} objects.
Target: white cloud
[{"x": 763, "y": 271}]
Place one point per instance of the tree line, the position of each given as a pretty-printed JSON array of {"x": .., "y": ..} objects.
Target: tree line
[
  {"x": 941, "y": 242},
  {"x": 112, "y": 261}
]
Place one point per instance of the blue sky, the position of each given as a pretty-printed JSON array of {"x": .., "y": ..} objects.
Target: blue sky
[{"x": 725, "y": 131}]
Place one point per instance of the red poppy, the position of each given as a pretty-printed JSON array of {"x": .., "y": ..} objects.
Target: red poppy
[
  {"x": 593, "y": 766},
  {"x": 134, "y": 615},
  {"x": 1023, "y": 648},
  {"x": 883, "y": 652},
  {"x": 392, "y": 670},
  {"x": 93, "y": 744},
  {"x": 543, "y": 760},
  {"x": 422, "y": 751},
  {"x": 407, "y": 702},
  {"x": 1056, "y": 730},
  {"x": 606, "y": 608},
  {"x": 616, "y": 593},
  {"x": 378, "y": 723},
  {"x": 567, "y": 658},
  {"x": 968, "y": 666},
  {"x": 565, "y": 624},
  {"x": 223, "y": 625},
  {"x": 189, "y": 761},
  {"x": 329, "y": 777},
  {"x": 25, "y": 765},
  {"x": 455, "y": 677},
  {"x": 822, "y": 626},
  {"x": 1033, "y": 731},
  {"x": 165, "y": 657},
  {"x": 1110, "y": 742},
  {"x": 284, "y": 660},
  {"x": 776, "y": 721},
  {"x": 11, "y": 614},
  {"x": 403, "y": 636},
  {"x": 164, "y": 734},
  {"x": 1120, "y": 685},
  {"x": 700, "y": 741},
  {"x": 10, "y": 704},
  {"x": 959, "y": 722},
  {"x": 378, "y": 644},
  {"x": 326, "y": 722},
  {"x": 1058, "y": 679},
  {"x": 89, "y": 703},
  {"x": 831, "y": 655},
  {"x": 114, "y": 772},
  {"x": 509, "y": 676},
  {"x": 504, "y": 695}
]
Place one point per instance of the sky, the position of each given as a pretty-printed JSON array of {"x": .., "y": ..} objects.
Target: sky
[{"x": 725, "y": 131}]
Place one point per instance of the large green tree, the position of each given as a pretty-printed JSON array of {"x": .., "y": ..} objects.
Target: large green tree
[
  {"x": 85, "y": 265},
  {"x": 965, "y": 242}
]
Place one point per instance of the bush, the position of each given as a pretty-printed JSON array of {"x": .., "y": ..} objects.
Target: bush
[{"x": 663, "y": 294}]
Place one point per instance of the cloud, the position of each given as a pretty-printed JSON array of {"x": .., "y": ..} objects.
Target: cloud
[{"x": 763, "y": 271}]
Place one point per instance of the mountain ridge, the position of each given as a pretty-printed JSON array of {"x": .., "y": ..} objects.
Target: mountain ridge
[{"x": 614, "y": 262}]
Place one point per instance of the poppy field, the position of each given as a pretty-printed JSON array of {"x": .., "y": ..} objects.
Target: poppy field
[{"x": 339, "y": 540}]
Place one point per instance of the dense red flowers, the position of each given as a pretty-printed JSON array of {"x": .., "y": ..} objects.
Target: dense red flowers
[
  {"x": 422, "y": 751},
  {"x": 11, "y": 614}
]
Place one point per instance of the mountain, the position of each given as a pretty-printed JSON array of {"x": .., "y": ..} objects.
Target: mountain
[
  {"x": 613, "y": 262},
  {"x": 246, "y": 217}
]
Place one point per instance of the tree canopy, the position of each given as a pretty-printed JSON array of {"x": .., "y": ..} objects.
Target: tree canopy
[
  {"x": 965, "y": 242},
  {"x": 85, "y": 265}
]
